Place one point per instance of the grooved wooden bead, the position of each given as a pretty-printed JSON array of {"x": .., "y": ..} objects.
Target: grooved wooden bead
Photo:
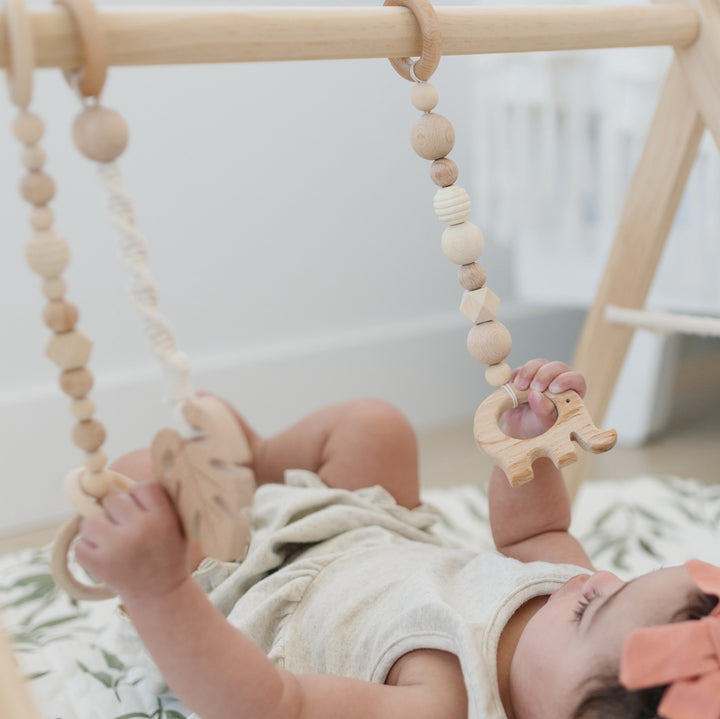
[
  {"x": 480, "y": 305},
  {"x": 498, "y": 374},
  {"x": 37, "y": 188},
  {"x": 452, "y": 204},
  {"x": 28, "y": 128},
  {"x": 83, "y": 408},
  {"x": 69, "y": 350},
  {"x": 444, "y": 172},
  {"x": 76, "y": 382},
  {"x": 100, "y": 134},
  {"x": 41, "y": 218},
  {"x": 463, "y": 243},
  {"x": 96, "y": 461},
  {"x": 432, "y": 136},
  {"x": 47, "y": 253},
  {"x": 424, "y": 96},
  {"x": 33, "y": 157},
  {"x": 89, "y": 435},
  {"x": 489, "y": 343},
  {"x": 54, "y": 288},
  {"x": 60, "y": 316},
  {"x": 472, "y": 276}
]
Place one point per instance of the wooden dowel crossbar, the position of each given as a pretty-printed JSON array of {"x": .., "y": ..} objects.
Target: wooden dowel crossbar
[{"x": 180, "y": 35}]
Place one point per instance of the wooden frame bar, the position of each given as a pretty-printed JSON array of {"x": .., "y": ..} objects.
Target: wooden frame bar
[
  {"x": 15, "y": 700},
  {"x": 150, "y": 36}
]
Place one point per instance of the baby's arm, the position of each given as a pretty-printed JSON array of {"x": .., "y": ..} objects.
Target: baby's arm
[
  {"x": 138, "y": 549},
  {"x": 531, "y": 522}
]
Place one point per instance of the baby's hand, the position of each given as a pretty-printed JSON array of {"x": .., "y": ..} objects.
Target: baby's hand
[
  {"x": 137, "y": 547},
  {"x": 539, "y": 414}
]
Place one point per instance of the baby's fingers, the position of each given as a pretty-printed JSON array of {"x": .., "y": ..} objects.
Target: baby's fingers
[{"x": 569, "y": 380}]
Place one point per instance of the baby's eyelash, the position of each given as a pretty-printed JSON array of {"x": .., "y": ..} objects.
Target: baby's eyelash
[{"x": 583, "y": 604}]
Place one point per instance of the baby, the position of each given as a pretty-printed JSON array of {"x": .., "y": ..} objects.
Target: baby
[{"x": 346, "y": 606}]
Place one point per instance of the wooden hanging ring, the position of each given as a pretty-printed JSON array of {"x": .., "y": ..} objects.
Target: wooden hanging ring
[
  {"x": 22, "y": 52},
  {"x": 422, "y": 69},
  {"x": 91, "y": 75}
]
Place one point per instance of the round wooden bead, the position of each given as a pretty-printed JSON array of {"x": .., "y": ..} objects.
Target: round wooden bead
[
  {"x": 444, "y": 172},
  {"x": 33, "y": 157},
  {"x": 76, "y": 382},
  {"x": 70, "y": 350},
  {"x": 96, "y": 461},
  {"x": 83, "y": 409},
  {"x": 463, "y": 243},
  {"x": 47, "y": 253},
  {"x": 89, "y": 435},
  {"x": 452, "y": 204},
  {"x": 37, "y": 188},
  {"x": 498, "y": 374},
  {"x": 41, "y": 218},
  {"x": 489, "y": 342},
  {"x": 472, "y": 276},
  {"x": 424, "y": 96},
  {"x": 60, "y": 316},
  {"x": 28, "y": 128},
  {"x": 100, "y": 134},
  {"x": 54, "y": 288},
  {"x": 432, "y": 136}
]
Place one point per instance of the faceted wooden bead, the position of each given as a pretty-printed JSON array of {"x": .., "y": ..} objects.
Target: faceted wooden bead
[
  {"x": 37, "y": 188},
  {"x": 498, "y": 374},
  {"x": 28, "y": 128},
  {"x": 96, "y": 461},
  {"x": 432, "y": 136},
  {"x": 33, "y": 157},
  {"x": 444, "y": 172},
  {"x": 100, "y": 134},
  {"x": 76, "y": 382},
  {"x": 472, "y": 276},
  {"x": 424, "y": 96},
  {"x": 47, "y": 253},
  {"x": 489, "y": 343},
  {"x": 89, "y": 435},
  {"x": 69, "y": 350},
  {"x": 463, "y": 243},
  {"x": 480, "y": 305},
  {"x": 54, "y": 288},
  {"x": 60, "y": 316},
  {"x": 41, "y": 218},
  {"x": 452, "y": 204},
  {"x": 83, "y": 408}
]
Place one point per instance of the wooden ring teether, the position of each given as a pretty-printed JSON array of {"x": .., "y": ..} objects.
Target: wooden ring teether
[
  {"x": 22, "y": 52},
  {"x": 431, "y": 41},
  {"x": 515, "y": 456}
]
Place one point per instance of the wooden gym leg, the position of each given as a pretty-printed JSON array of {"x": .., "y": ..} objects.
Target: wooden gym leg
[{"x": 15, "y": 698}]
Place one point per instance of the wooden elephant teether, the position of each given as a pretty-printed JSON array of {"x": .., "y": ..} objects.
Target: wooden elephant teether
[{"x": 515, "y": 456}]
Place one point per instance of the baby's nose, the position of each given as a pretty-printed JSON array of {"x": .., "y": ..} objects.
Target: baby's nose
[{"x": 603, "y": 580}]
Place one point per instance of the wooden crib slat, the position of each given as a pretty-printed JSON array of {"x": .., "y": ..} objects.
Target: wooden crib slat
[
  {"x": 15, "y": 700},
  {"x": 163, "y": 36}
]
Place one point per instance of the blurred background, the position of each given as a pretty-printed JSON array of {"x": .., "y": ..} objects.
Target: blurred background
[{"x": 297, "y": 253}]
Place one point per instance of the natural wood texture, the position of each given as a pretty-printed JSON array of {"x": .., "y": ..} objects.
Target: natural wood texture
[
  {"x": 100, "y": 134},
  {"x": 15, "y": 699},
  {"x": 480, "y": 305},
  {"x": 452, "y": 204},
  {"x": 424, "y": 96},
  {"x": 432, "y": 136},
  {"x": 430, "y": 54},
  {"x": 444, "y": 172},
  {"x": 647, "y": 217},
  {"x": 515, "y": 456},
  {"x": 167, "y": 36},
  {"x": 498, "y": 374},
  {"x": 462, "y": 244},
  {"x": 489, "y": 343},
  {"x": 472, "y": 276}
]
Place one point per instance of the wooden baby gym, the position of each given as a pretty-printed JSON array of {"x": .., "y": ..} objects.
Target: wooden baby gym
[{"x": 204, "y": 464}]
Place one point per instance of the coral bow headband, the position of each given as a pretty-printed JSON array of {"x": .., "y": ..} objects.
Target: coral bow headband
[{"x": 685, "y": 655}]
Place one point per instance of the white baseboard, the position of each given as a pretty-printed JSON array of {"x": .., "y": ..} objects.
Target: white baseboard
[{"x": 421, "y": 366}]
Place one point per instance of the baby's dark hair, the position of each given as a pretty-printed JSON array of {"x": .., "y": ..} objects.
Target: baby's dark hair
[{"x": 606, "y": 698}]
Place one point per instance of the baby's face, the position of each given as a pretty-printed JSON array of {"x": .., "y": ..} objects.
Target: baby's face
[{"x": 581, "y": 630}]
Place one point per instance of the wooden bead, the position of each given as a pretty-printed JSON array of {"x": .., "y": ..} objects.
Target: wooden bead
[
  {"x": 37, "y": 188},
  {"x": 489, "y": 343},
  {"x": 498, "y": 374},
  {"x": 70, "y": 350},
  {"x": 100, "y": 134},
  {"x": 463, "y": 243},
  {"x": 76, "y": 382},
  {"x": 60, "y": 316},
  {"x": 472, "y": 276},
  {"x": 432, "y": 136},
  {"x": 424, "y": 96},
  {"x": 444, "y": 172},
  {"x": 480, "y": 305},
  {"x": 28, "y": 128},
  {"x": 54, "y": 288},
  {"x": 89, "y": 435},
  {"x": 41, "y": 218},
  {"x": 47, "y": 253},
  {"x": 33, "y": 157},
  {"x": 83, "y": 409},
  {"x": 452, "y": 204},
  {"x": 96, "y": 461}
]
